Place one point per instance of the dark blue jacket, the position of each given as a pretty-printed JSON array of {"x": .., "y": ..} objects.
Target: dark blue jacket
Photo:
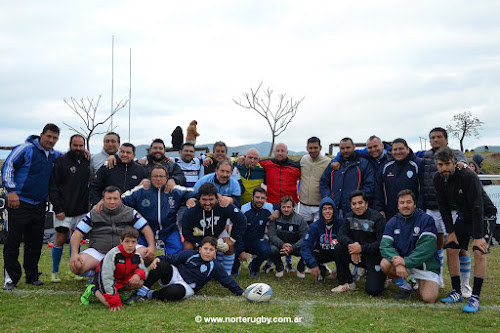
[
  {"x": 318, "y": 236},
  {"x": 356, "y": 174},
  {"x": 159, "y": 208},
  {"x": 375, "y": 162},
  {"x": 196, "y": 272},
  {"x": 27, "y": 171},
  {"x": 394, "y": 177},
  {"x": 256, "y": 223}
]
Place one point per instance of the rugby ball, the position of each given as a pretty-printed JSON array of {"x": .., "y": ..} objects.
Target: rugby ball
[{"x": 258, "y": 292}]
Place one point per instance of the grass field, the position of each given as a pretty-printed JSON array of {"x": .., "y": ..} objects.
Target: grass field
[{"x": 56, "y": 307}]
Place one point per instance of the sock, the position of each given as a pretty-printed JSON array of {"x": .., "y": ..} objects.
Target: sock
[
  {"x": 57, "y": 252},
  {"x": 145, "y": 292},
  {"x": 220, "y": 258},
  {"x": 288, "y": 259},
  {"x": 228, "y": 260},
  {"x": 441, "y": 264},
  {"x": 455, "y": 283},
  {"x": 402, "y": 283},
  {"x": 465, "y": 265},
  {"x": 478, "y": 284}
]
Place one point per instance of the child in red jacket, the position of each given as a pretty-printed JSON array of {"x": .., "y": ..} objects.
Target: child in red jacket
[{"x": 121, "y": 269}]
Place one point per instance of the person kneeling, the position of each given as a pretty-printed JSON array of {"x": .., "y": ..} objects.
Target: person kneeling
[
  {"x": 359, "y": 241},
  {"x": 184, "y": 274},
  {"x": 121, "y": 269},
  {"x": 408, "y": 248}
]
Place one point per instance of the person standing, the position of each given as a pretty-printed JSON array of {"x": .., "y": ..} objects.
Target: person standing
[
  {"x": 26, "y": 174},
  {"x": 192, "y": 132}
]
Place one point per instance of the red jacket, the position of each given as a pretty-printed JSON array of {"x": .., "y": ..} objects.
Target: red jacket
[
  {"x": 281, "y": 179},
  {"x": 114, "y": 272}
]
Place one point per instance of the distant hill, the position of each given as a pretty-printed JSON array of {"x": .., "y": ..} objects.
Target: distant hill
[
  {"x": 262, "y": 147},
  {"x": 491, "y": 149}
]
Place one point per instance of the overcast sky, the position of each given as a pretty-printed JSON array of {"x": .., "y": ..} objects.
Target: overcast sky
[{"x": 391, "y": 68}]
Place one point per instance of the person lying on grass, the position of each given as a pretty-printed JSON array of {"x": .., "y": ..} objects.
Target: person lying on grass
[
  {"x": 121, "y": 269},
  {"x": 184, "y": 274}
]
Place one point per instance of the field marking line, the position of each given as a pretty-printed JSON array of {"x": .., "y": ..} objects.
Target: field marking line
[{"x": 309, "y": 303}]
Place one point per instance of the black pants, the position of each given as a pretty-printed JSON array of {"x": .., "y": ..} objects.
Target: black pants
[
  {"x": 323, "y": 257},
  {"x": 164, "y": 272},
  {"x": 375, "y": 279},
  {"x": 28, "y": 222},
  {"x": 275, "y": 256}
]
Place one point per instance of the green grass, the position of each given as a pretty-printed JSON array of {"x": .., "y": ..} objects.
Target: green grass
[{"x": 55, "y": 307}]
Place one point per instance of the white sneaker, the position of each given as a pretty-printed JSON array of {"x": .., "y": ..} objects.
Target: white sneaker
[
  {"x": 344, "y": 287},
  {"x": 466, "y": 291},
  {"x": 279, "y": 274},
  {"x": 301, "y": 275}
]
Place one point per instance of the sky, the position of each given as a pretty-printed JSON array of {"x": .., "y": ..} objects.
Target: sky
[{"x": 390, "y": 68}]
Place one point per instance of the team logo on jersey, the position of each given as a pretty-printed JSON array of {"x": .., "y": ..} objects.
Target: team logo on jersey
[
  {"x": 416, "y": 231},
  {"x": 366, "y": 226},
  {"x": 203, "y": 268},
  {"x": 171, "y": 202},
  {"x": 307, "y": 236},
  {"x": 261, "y": 222},
  {"x": 72, "y": 169},
  {"x": 236, "y": 210},
  {"x": 134, "y": 177},
  {"x": 396, "y": 232},
  {"x": 409, "y": 173},
  {"x": 290, "y": 228},
  {"x": 390, "y": 174},
  {"x": 145, "y": 203},
  {"x": 460, "y": 191}
]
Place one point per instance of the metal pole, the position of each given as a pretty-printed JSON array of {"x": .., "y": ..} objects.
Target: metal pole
[{"x": 112, "y": 76}]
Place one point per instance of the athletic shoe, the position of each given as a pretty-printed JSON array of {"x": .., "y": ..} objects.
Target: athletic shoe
[
  {"x": 37, "y": 283},
  {"x": 135, "y": 298},
  {"x": 403, "y": 294},
  {"x": 301, "y": 275},
  {"x": 252, "y": 273},
  {"x": 453, "y": 297},
  {"x": 75, "y": 277},
  {"x": 279, "y": 274},
  {"x": 267, "y": 268},
  {"x": 87, "y": 294},
  {"x": 307, "y": 270},
  {"x": 9, "y": 286},
  {"x": 344, "y": 287},
  {"x": 472, "y": 305},
  {"x": 54, "y": 278},
  {"x": 289, "y": 268},
  {"x": 466, "y": 291}
]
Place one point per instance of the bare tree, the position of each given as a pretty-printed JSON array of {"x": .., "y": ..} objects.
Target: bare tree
[
  {"x": 278, "y": 116},
  {"x": 87, "y": 111},
  {"x": 464, "y": 125}
]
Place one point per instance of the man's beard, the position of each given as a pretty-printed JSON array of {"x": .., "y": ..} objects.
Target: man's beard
[
  {"x": 155, "y": 159},
  {"x": 76, "y": 154}
]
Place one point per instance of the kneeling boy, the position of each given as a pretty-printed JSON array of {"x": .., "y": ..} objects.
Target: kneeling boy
[{"x": 121, "y": 269}]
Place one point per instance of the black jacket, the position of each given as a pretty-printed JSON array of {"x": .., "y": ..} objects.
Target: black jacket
[
  {"x": 68, "y": 188},
  {"x": 464, "y": 192},
  {"x": 174, "y": 171},
  {"x": 366, "y": 229},
  {"x": 124, "y": 175}
]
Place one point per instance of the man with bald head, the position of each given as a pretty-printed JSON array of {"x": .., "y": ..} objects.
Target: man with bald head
[
  {"x": 282, "y": 175},
  {"x": 251, "y": 172}
]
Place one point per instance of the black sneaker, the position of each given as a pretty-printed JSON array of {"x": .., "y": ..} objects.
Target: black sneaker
[
  {"x": 37, "y": 283},
  {"x": 267, "y": 268},
  {"x": 402, "y": 294},
  {"x": 135, "y": 298},
  {"x": 9, "y": 286}
]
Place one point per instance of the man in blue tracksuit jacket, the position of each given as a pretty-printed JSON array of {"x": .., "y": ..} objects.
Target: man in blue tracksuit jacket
[
  {"x": 319, "y": 243},
  {"x": 257, "y": 213},
  {"x": 26, "y": 174},
  {"x": 355, "y": 173},
  {"x": 376, "y": 152},
  {"x": 160, "y": 208},
  {"x": 403, "y": 172}
]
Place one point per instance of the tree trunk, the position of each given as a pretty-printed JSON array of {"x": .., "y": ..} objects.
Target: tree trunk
[{"x": 272, "y": 147}]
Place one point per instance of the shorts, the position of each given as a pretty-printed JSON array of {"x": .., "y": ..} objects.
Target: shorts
[
  {"x": 94, "y": 253},
  {"x": 68, "y": 222},
  {"x": 177, "y": 279},
  {"x": 309, "y": 213},
  {"x": 436, "y": 215},
  {"x": 423, "y": 275},
  {"x": 464, "y": 233}
]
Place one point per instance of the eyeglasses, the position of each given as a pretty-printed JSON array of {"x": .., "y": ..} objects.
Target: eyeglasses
[{"x": 158, "y": 176}]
